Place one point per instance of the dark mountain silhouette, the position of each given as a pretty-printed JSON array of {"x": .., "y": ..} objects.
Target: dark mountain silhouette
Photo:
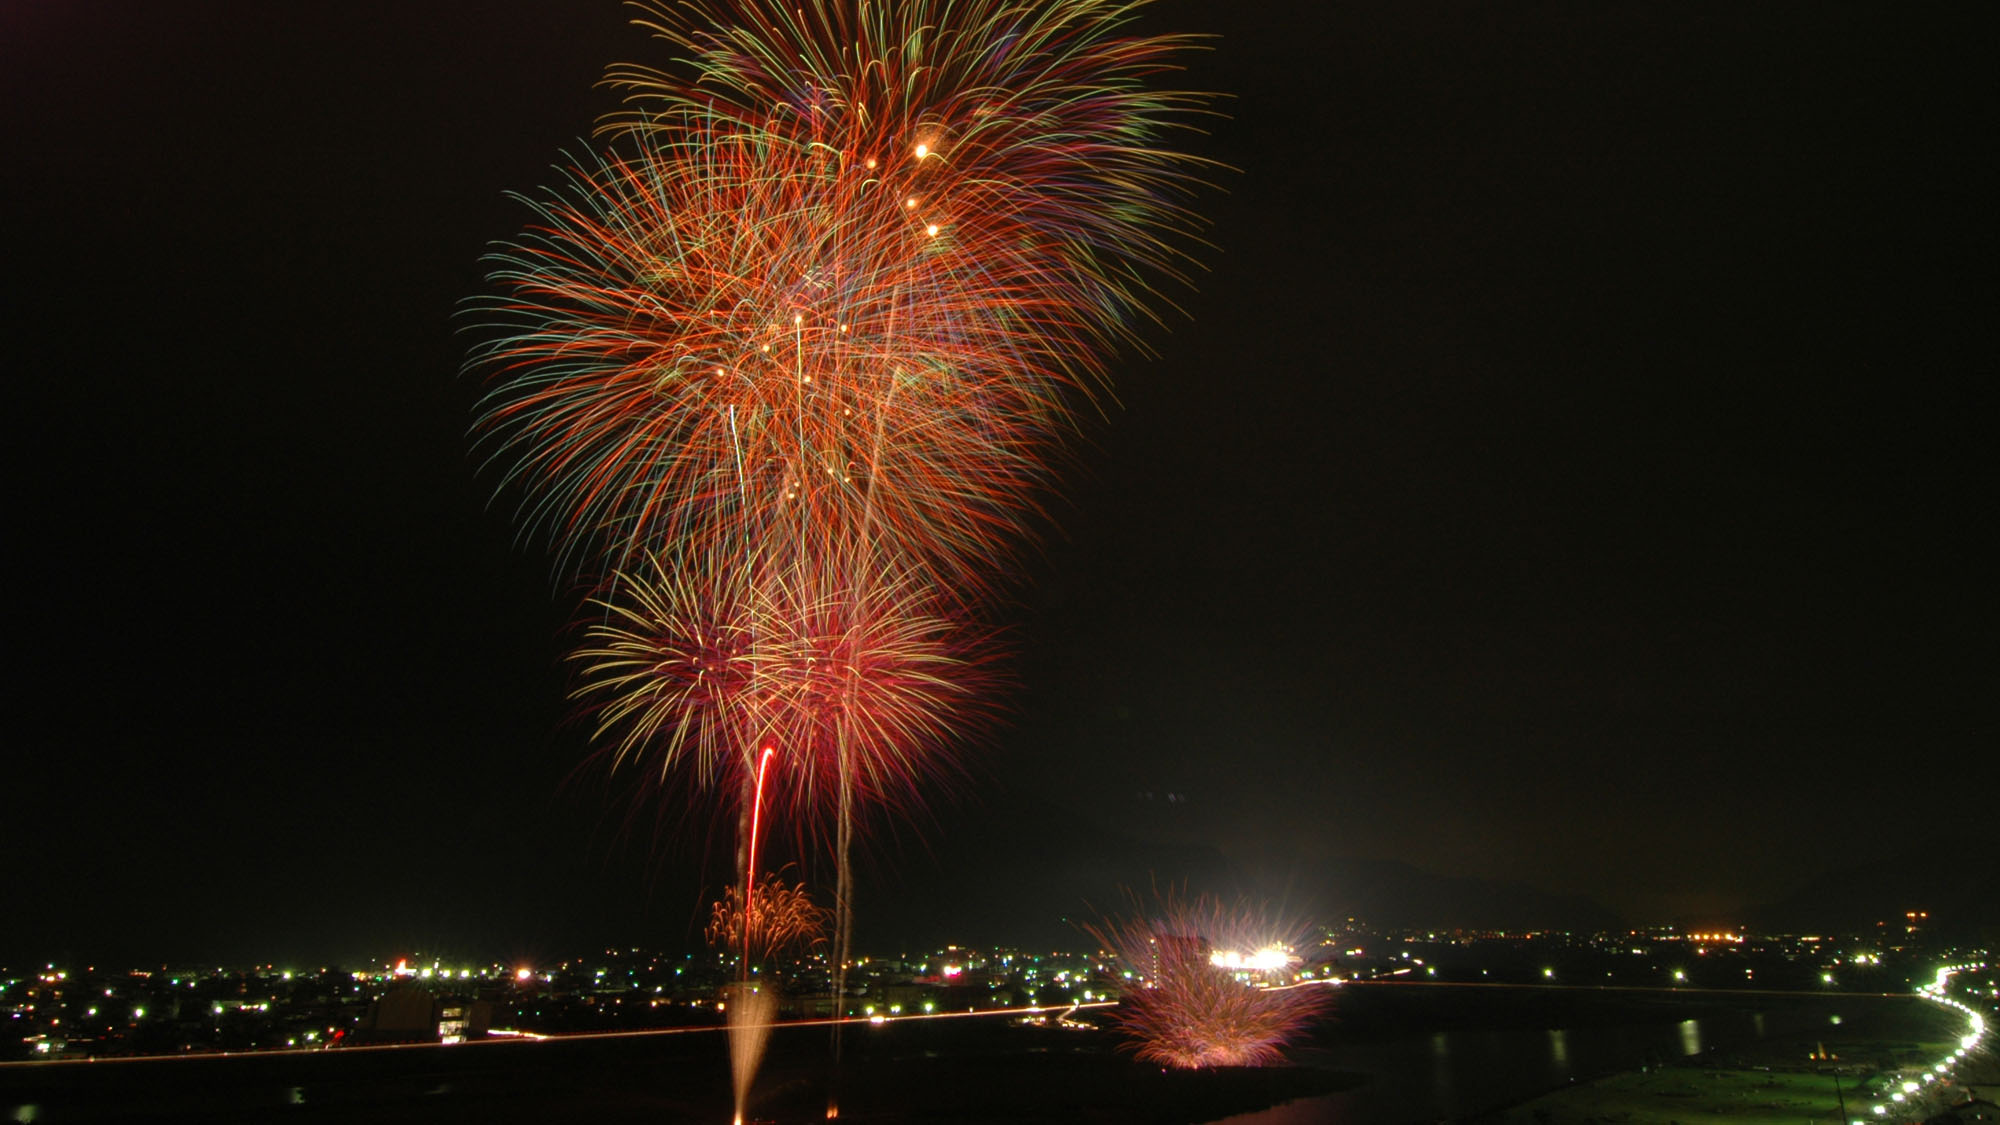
[
  {"x": 1393, "y": 893},
  {"x": 1950, "y": 873},
  {"x": 1028, "y": 873}
]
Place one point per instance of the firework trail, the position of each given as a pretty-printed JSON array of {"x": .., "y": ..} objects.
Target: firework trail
[
  {"x": 1193, "y": 1003},
  {"x": 750, "y": 1015}
]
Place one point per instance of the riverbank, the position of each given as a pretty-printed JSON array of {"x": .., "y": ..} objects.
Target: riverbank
[{"x": 1829, "y": 1070}]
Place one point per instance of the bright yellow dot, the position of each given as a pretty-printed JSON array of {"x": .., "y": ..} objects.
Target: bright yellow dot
[
  {"x": 931, "y": 230},
  {"x": 923, "y": 150},
  {"x": 871, "y": 162},
  {"x": 798, "y": 318},
  {"x": 910, "y": 202}
]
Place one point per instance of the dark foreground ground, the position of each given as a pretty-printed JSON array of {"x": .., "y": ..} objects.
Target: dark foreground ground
[
  {"x": 969, "y": 1070},
  {"x": 1386, "y": 1054}
]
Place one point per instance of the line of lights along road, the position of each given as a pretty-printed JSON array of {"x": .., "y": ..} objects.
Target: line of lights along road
[{"x": 1915, "y": 1088}]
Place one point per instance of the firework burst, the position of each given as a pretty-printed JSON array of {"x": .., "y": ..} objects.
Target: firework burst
[
  {"x": 782, "y": 372},
  {"x": 1197, "y": 999},
  {"x": 857, "y": 679},
  {"x": 1036, "y": 129},
  {"x": 779, "y": 919},
  {"x": 849, "y": 262},
  {"x": 720, "y": 335}
]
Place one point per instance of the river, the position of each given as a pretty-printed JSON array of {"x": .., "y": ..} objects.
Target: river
[{"x": 1445, "y": 1053}]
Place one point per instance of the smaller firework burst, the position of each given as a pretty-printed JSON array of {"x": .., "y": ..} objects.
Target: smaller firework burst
[
  {"x": 779, "y": 920},
  {"x": 858, "y": 677},
  {"x": 1211, "y": 985}
]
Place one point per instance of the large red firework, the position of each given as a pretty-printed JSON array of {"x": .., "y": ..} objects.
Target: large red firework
[
  {"x": 720, "y": 335},
  {"x": 1038, "y": 130},
  {"x": 848, "y": 262}
]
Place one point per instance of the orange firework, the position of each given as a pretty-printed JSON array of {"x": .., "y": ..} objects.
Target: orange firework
[{"x": 780, "y": 919}]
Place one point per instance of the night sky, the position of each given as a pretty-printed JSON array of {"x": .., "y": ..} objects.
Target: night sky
[{"x": 1567, "y": 471}]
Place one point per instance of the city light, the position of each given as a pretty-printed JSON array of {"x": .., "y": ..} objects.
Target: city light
[{"x": 263, "y": 1009}]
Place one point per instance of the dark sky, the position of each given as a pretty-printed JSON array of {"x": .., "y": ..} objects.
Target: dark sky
[{"x": 1568, "y": 471}]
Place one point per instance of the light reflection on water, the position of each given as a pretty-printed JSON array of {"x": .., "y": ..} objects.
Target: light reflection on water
[
  {"x": 1690, "y": 1038},
  {"x": 1449, "y": 1075}
]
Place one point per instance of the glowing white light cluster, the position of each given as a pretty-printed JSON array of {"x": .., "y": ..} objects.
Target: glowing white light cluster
[{"x": 1269, "y": 959}]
